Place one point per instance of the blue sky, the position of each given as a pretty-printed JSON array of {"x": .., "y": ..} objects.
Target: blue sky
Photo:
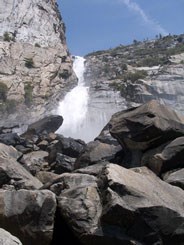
[{"x": 101, "y": 24}]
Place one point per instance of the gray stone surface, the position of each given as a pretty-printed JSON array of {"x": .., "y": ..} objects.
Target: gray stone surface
[
  {"x": 175, "y": 178},
  {"x": 166, "y": 157},
  {"x": 37, "y": 33},
  {"x": 146, "y": 126},
  {"x": 29, "y": 215},
  {"x": 121, "y": 206},
  {"x": 11, "y": 172},
  {"x": 7, "y": 239}
]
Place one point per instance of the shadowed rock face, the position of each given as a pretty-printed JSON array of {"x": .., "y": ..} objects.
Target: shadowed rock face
[
  {"x": 103, "y": 203},
  {"x": 146, "y": 126},
  {"x": 32, "y": 216},
  {"x": 120, "y": 206}
]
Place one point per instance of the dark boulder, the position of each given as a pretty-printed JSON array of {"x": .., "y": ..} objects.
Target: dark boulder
[
  {"x": 146, "y": 126},
  {"x": 11, "y": 171},
  {"x": 29, "y": 215},
  {"x": 120, "y": 206},
  {"x": 166, "y": 157},
  {"x": 175, "y": 178},
  {"x": 63, "y": 164},
  {"x": 67, "y": 146},
  {"x": 10, "y": 139},
  {"x": 44, "y": 126},
  {"x": 96, "y": 152}
]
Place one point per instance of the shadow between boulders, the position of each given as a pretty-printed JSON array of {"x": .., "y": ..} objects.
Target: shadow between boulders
[{"x": 62, "y": 233}]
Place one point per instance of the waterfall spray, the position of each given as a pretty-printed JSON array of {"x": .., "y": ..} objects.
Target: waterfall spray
[{"x": 74, "y": 106}]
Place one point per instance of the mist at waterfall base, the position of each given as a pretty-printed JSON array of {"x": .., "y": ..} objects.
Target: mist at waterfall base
[{"x": 84, "y": 114}]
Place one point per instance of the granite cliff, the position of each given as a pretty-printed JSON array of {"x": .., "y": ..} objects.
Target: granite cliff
[
  {"x": 36, "y": 67},
  {"x": 152, "y": 69}
]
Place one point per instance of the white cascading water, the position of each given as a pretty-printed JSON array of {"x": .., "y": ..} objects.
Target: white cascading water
[
  {"x": 74, "y": 106},
  {"x": 85, "y": 112}
]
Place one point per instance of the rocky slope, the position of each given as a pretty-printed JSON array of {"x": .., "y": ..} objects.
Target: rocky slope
[
  {"x": 35, "y": 66},
  {"x": 125, "y": 188},
  {"x": 141, "y": 71}
]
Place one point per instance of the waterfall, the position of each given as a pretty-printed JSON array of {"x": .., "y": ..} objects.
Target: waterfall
[
  {"x": 74, "y": 106},
  {"x": 85, "y": 111}
]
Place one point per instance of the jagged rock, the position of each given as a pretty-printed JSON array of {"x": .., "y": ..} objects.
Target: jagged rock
[
  {"x": 146, "y": 126},
  {"x": 67, "y": 146},
  {"x": 34, "y": 161},
  {"x": 63, "y": 164},
  {"x": 29, "y": 215},
  {"x": 95, "y": 152},
  {"x": 165, "y": 158},
  {"x": 7, "y": 239},
  {"x": 163, "y": 77},
  {"x": 142, "y": 206},
  {"x": 128, "y": 206},
  {"x": 175, "y": 178},
  {"x": 94, "y": 169},
  {"x": 46, "y": 177},
  {"x": 78, "y": 197},
  {"x": 11, "y": 172},
  {"x": 35, "y": 63},
  {"x": 44, "y": 126},
  {"x": 10, "y": 139}
]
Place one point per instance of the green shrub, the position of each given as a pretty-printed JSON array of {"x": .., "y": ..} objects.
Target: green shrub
[
  {"x": 134, "y": 76},
  {"x": 29, "y": 63},
  {"x": 10, "y": 106},
  {"x": 3, "y": 91},
  {"x": 28, "y": 94},
  {"x": 6, "y": 37}
]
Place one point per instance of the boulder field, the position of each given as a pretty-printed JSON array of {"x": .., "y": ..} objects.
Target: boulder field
[{"x": 126, "y": 187}]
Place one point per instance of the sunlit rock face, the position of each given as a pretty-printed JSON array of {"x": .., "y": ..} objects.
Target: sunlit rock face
[
  {"x": 35, "y": 64},
  {"x": 141, "y": 72}
]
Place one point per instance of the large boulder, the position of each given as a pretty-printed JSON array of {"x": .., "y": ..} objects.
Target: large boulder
[
  {"x": 78, "y": 201},
  {"x": 96, "y": 152},
  {"x": 7, "y": 239},
  {"x": 146, "y": 126},
  {"x": 34, "y": 161},
  {"x": 12, "y": 173},
  {"x": 29, "y": 215},
  {"x": 46, "y": 125},
  {"x": 166, "y": 157},
  {"x": 120, "y": 206},
  {"x": 175, "y": 178},
  {"x": 67, "y": 146}
]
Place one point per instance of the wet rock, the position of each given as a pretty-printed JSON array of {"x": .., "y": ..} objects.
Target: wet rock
[
  {"x": 11, "y": 172},
  {"x": 7, "y": 239},
  {"x": 29, "y": 215},
  {"x": 175, "y": 178}
]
